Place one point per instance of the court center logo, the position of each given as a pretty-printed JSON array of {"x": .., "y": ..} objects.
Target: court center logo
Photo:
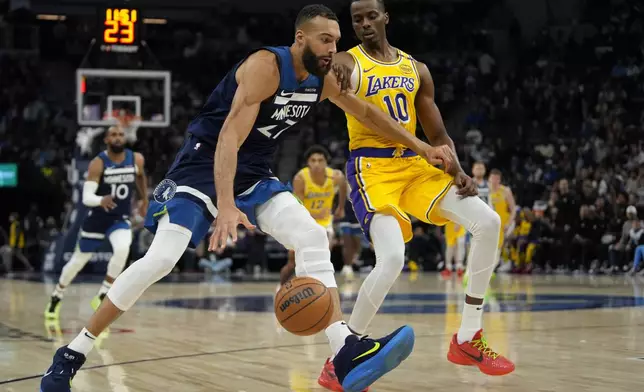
[{"x": 164, "y": 191}]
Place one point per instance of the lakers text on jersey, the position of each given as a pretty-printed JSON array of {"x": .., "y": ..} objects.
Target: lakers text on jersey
[{"x": 384, "y": 176}]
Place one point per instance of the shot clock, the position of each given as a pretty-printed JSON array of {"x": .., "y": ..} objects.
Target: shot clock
[{"x": 120, "y": 30}]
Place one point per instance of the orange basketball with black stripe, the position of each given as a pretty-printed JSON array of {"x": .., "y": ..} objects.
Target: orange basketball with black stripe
[{"x": 303, "y": 306}]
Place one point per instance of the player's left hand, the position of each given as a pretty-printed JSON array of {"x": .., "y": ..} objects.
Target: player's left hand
[
  {"x": 226, "y": 225},
  {"x": 339, "y": 213},
  {"x": 465, "y": 184},
  {"x": 343, "y": 75}
]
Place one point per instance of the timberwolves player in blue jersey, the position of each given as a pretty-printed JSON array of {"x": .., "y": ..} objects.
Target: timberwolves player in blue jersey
[
  {"x": 478, "y": 175},
  {"x": 236, "y": 134},
  {"x": 111, "y": 180}
]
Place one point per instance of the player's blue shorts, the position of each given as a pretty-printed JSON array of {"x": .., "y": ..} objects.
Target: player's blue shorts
[
  {"x": 187, "y": 194},
  {"x": 95, "y": 231},
  {"x": 353, "y": 229}
]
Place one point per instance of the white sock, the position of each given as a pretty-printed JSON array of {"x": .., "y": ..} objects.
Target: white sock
[
  {"x": 337, "y": 333},
  {"x": 83, "y": 343},
  {"x": 470, "y": 323},
  {"x": 58, "y": 291},
  {"x": 105, "y": 287}
]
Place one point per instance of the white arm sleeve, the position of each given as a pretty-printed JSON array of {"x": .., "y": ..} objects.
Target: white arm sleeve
[{"x": 90, "y": 198}]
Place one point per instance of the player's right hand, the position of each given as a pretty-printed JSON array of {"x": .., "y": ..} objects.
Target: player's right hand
[
  {"x": 440, "y": 155},
  {"x": 343, "y": 75},
  {"x": 226, "y": 223},
  {"x": 107, "y": 202}
]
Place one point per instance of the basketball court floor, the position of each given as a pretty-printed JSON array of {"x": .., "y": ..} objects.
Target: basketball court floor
[{"x": 201, "y": 334}]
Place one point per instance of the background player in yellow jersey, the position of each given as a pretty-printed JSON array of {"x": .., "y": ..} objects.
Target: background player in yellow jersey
[
  {"x": 388, "y": 182},
  {"x": 502, "y": 201},
  {"x": 316, "y": 185},
  {"x": 454, "y": 249}
]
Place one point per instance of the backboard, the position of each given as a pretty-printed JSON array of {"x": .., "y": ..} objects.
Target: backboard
[{"x": 100, "y": 93}]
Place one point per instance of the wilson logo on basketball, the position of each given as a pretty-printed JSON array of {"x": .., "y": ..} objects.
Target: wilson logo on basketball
[{"x": 295, "y": 299}]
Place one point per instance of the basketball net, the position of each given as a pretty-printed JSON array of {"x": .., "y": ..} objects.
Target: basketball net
[{"x": 128, "y": 122}]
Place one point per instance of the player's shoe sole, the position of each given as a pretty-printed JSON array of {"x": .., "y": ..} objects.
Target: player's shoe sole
[{"x": 387, "y": 359}]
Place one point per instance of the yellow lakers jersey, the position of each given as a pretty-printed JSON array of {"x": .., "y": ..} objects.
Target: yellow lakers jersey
[
  {"x": 392, "y": 87},
  {"x": 524, "y": 228},
  {"x": 319, "y": 198},
  {"x": 500, "y": 204}
]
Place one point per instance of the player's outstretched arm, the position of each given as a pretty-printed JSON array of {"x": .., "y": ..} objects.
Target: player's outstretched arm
[
  {"x": 257, "y": 79},
  {"x": 512, "y": 205},
  {"x": 341, "y": 182},
  {"x": 429, "y": 115},
  {"x": 298, "y": 186},
  {"x": 432, "y": 122},
  {"x": 90, "y": 198},
  {"x": 141, "y": 182},
  {"x": 377, "y": 120}
]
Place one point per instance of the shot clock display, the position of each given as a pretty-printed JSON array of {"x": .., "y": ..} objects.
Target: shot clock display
[{"x": 120, "y": 30}]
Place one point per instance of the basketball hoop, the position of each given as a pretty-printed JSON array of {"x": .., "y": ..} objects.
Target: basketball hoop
[{"x": 125, "y": 120}]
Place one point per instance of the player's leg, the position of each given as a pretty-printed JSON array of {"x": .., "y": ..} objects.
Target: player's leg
[
  {"x": 79, "y": 259},
  {"x": 460, "y": 255},
  {"x": 450, "y": 254},
  {"x": 468, "y": 346},
  {"x": 389, "y": 247},
  {"x": 350, "y": 249},
  {"x": 637, "y": 259},
  {"x": 120, "y": 239},
  {"x": 356, "y": 363},
  {"x": 169, "y": 243}
]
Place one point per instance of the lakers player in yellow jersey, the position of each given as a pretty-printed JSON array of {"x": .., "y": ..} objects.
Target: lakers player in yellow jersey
[
  {"x": 389, "y": 183},
  {"x": 502, "y": 201},
  {"x": 454, "y": 249},
  {"x": 316, "y": 185}
]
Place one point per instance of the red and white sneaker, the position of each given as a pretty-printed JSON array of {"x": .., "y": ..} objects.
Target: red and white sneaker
[
  {"x": 446, "y": 273},
  {"x": 328, "y": 378},
  {"x": 477, "y": 353},
  {"x": 460, "y": 272}
]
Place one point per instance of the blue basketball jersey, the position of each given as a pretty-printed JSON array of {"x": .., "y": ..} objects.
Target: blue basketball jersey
[
  {"x": 118, "y": 180},
  {"x": 292, "y": 101},
  {"x": 187, "y": 194},
  {"x": 484, "y": 191}
]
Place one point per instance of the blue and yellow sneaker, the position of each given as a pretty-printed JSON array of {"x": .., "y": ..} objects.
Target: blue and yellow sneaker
[
  {"x": 96, "y": 301},
  {"x": 58, "y": 377},
  {"x": 362, "y": 361},
  {"x": 52, "y": 311}
]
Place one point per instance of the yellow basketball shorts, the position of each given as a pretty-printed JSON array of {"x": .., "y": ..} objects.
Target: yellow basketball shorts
[
  {"x": 452, "y": 235},
  {"x": 396, "y": 186}
]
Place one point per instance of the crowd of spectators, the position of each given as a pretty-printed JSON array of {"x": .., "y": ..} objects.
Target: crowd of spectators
[{"x": 561, "y": 116}]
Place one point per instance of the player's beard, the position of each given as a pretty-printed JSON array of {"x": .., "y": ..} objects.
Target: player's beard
[
  {"x": 312, "y": 63},
  {"x": 117, "y": 149}
]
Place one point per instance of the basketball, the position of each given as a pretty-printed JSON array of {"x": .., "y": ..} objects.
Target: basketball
[{"x": 303, "y": 306}]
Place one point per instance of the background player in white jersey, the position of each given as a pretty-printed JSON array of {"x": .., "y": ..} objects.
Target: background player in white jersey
[{"x": 111, "y": 178}]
